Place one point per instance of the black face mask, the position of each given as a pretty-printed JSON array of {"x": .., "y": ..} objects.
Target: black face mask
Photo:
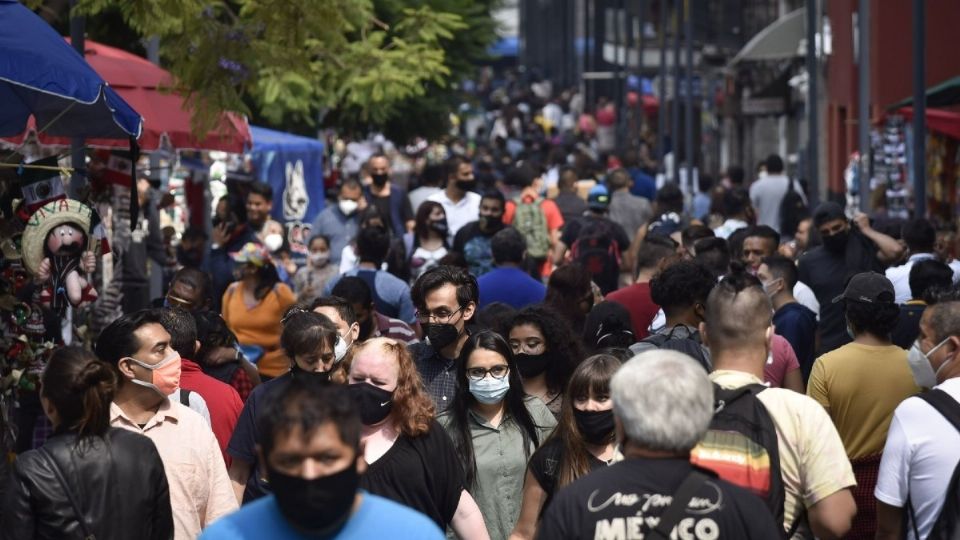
[
  {"x": 316, "y": 507},
  {"x": 466, "y": 185},
  {"x": 531, "y": 365},
  {"x": 439, "y": 226},
  {"x": 597, "y": 427},
  {"x": 836, "y": 243},
  {"x": 440, "y": 335},
  {"x": 490, "y": 224},
  {"x": 299, "y": 373},
  {"x": 379, "y": 180},
  {"x": 374, "y": 403}
]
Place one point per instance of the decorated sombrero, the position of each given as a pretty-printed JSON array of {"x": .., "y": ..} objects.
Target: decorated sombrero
[{"x": 48, "y": 217}]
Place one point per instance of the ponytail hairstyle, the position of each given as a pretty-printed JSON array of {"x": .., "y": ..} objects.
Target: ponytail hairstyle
[{"x": 81, "y": 388}]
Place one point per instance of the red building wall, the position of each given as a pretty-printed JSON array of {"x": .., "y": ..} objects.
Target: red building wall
[{"x": 891, "y": 66}]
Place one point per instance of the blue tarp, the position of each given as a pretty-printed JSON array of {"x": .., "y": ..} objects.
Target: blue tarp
[
  {"x": 507, "y": 46},
  {"x": 43, "y": 76},
  {"x": 293, "y": 166}
]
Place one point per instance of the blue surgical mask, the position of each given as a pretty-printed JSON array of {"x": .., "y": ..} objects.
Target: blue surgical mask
[{"x": 489, "y": 390}]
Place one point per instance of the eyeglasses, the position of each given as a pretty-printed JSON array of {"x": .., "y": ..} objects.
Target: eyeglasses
[
  {"x": 442, "y": 315},
  {"x": 479, "y": 373}
]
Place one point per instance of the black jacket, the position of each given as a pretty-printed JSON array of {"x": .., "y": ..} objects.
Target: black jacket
[{"x": 117, "y": 481}]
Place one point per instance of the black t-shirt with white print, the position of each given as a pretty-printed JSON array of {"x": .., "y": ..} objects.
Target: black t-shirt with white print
[{"x": 625, "y": 501}]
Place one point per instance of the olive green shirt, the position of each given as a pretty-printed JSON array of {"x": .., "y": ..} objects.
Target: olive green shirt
[{"x": 502, "y": 464}]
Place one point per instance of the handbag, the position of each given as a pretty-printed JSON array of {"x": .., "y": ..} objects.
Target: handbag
[{"x": 87, "y": 535}]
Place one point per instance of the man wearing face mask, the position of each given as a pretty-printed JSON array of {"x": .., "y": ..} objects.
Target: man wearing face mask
[
  {"x": 344, "y": 317},
  {"x": 370, "y": 322},
  {"x": 921, "y": 447},
  {"x": 446, "y": 299},
  {"x": 340, "y": 222},
  {"x": 310, "y": 280},
  {"x": 389, "y": 198},
  {"x": 473, "y": 239},
  {"x": 148, "y": 370},
  {"x": 791, "y": 319},
  {"x": 313, "y": 497},
  {"x": 459, "y": 201},
  {"x": 846, "y": 250}
]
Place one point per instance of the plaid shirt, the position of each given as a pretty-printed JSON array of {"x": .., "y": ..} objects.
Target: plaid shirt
[{"x": 439, "y": 374}]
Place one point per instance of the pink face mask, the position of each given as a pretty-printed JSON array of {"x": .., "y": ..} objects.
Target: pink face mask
[{"x": 165, "y": 376}]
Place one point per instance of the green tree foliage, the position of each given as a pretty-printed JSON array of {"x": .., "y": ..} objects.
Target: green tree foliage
[{"x": 297, "y": 57}]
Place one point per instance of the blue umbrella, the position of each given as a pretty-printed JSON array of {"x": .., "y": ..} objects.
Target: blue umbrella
[{"x": 43, "y": 76}]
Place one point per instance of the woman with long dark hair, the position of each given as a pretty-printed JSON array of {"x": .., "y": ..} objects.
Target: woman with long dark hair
[
  {"x": 570, "y": 293},
  {"x": 89, "y": 480},
  {"x": 583, "y": 441},
  {"x": 427, "y": 244},
  {"x": 253, "y": 306},
  {"x": 495, "y": 427},
  {"x": 546, "y": 351},
  {"x": 608, "y": 326}
]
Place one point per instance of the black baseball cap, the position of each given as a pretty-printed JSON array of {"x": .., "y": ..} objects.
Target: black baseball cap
[{"x": 869, "y": 288}]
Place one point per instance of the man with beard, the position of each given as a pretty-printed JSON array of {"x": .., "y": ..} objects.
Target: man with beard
[
  {"x": 473, "y": 240},
  {"x": 389, "y": 198},
  {"x": 846, "y": 250}
]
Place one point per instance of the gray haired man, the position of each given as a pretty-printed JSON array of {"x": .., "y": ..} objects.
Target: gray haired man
[{"x": 663, "y": 403}]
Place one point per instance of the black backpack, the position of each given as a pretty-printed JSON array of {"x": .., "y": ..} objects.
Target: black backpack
[
  {"x": 947, "y": 525},
  {"x": 691, "y": 346},
  {"x": 598, "y": 253},
  {"x": 792, "y": 210},
  {"x": 741, "y": 447}
]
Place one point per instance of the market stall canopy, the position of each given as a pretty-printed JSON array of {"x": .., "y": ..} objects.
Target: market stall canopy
[
  {"x": 42, "y": 77},
  {"x": 945, "y": 94},
  {"x": 293, "y": 166},
  {"x": 166, "y": 118},
  {"x": 938, "y": 121},
  {"x": 778, "y": 41}
]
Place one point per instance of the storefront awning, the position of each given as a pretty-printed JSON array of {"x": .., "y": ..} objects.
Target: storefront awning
[
  {"x": 945, "y": 94},
  {"x": 778, "y": 41}
]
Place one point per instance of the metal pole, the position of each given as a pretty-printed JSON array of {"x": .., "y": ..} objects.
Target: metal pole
[
  {"x": 675, "y": 105},
  {"x": 618, "y": 75},
  {"x": 688, "y": 113},
  {"x": 919, "y": 108},
  {"x": 863, "y": 124},
  {"x": 77, "y": 155},
  {"x": 813, "y": 130},
  {"x": 662, "y": 107}
]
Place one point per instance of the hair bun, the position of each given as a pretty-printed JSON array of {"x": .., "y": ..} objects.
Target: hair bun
[{"x": 95, "y": 373}]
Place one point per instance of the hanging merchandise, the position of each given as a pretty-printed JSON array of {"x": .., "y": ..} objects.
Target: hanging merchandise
[{"x": 889, "y": 148}]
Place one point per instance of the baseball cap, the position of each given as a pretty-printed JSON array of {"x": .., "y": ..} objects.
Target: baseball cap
[
  {"x": 868, "y": 287},
  {"x": 598, "y": 198}
]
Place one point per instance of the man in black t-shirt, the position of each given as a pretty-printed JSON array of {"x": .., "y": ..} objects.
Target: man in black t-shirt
[
  {"x": 847, "y": 250},
  {"x": 473, "y": 239},
  {"x": 595, "y": 227},
  {"x": 663, "y": 403}
]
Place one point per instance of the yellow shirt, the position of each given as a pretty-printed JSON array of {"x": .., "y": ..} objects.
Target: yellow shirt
[
  {"x": 260, "y": 325},
  {"x": 860, "y": 386},
  {"x": 200, "y": 490},
  {"x": 812, "y": 460}
]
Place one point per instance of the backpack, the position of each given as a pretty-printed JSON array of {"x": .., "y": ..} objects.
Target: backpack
[
  {"x": 947, "y": 525},
  {"x": 792, "y": 210},
  {"x": 530, "y": 221},
  {"x": 741, "y": 447},
  {"x": 598, "y": 253},
  {"x": 687, "y": 345}
]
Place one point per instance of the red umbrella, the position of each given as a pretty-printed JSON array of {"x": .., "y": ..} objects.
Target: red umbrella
[{"x": 165, "y": 115}]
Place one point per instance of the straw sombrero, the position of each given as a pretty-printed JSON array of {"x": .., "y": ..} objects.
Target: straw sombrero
[{"x": 47, "y": 218}]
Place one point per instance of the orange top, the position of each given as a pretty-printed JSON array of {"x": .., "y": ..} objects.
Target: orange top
[
  {"x": 550, "y": 211},
  {"x": 260, "y": 325}
]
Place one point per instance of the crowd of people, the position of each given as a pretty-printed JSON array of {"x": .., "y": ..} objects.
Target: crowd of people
[{"x": 535, "y": 341}]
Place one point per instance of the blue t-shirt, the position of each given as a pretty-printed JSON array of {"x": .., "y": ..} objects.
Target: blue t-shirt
[
  {"x": 511, "y": 286},
  {"x": 391, "y": 295},
  {"x": 798, "y": 325},
  {"x": 376, "y": 518}
]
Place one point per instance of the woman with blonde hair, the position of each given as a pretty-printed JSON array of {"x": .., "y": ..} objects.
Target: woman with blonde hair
[{"x": 411, "y": 459}]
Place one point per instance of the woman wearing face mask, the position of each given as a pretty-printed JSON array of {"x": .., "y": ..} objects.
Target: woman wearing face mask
[
  {"x": 411, "y": 459},
  {"x": 427, "y": 244},
  {"x": 111, "y": 471},
  {"x": 310, "y": 280},
  {"x": 253, "y": 306},
  {"x": 584, "y": 441},
  {"x": 546, "y": 351},
  {"x": 495, "y": 428},
  {"x": 310, "y": 339}
]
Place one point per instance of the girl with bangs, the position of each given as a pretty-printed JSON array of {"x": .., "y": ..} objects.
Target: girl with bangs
[
  {"x": 585, "y": 440},
  {"x": 410, "y": 458},
  {"x": 495, "y": 428}
]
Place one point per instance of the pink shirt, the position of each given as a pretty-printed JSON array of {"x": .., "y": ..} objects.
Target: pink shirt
[
  {"x": 200, "y": 490},
  {"x": 784, "y": 361}
]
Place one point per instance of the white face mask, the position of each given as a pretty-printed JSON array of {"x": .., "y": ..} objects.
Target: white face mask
[
  {"x": 319, "y": 259},
  {"x": 348, "y": 207},
  {"x": 923, "y": 373},
  {"x": 340, "y": 349},
  {"x": 273, "y": 242}
]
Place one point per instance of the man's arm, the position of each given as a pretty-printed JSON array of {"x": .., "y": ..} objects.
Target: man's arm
[
  {"x": 832, "y": 516},
  {"x": 889, "y": 521},
  {"x": 239, "y": 473},
  {"x": 889, "y": 249}
]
